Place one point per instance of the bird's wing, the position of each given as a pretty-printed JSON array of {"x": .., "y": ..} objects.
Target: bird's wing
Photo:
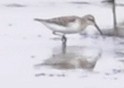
[{"x": 63, "y": 21}]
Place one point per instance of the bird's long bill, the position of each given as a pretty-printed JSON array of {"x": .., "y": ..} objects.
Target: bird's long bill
[{"x": 98, "y": 29}]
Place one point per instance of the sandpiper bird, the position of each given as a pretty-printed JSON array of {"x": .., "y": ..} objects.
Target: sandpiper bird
[{"x": 68, "y": 24}]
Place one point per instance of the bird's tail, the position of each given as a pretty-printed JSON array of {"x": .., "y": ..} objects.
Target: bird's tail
[{"x": 39, "y": 20}]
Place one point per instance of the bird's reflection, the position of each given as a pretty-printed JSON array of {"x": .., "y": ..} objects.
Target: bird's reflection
[{"x": 75, "y": 58}]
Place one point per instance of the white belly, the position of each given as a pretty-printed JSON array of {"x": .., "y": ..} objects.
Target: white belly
[{"x": 74, "y": 27}]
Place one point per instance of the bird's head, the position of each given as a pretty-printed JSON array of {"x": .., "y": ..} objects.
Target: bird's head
[{"x": 90, "y": 20}]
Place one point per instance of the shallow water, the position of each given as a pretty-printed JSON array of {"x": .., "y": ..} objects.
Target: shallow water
[
  {"x": 106, "y": 50},
  {"x": 25, "y": 43}
]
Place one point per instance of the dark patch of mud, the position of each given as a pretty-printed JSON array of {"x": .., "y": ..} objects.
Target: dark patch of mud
[
  {"x": 77, "y": 2},
  {"x": 15, "y": 5}
]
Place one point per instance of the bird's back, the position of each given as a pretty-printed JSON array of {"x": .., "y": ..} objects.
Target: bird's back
[{"x": 63, "y": 21}]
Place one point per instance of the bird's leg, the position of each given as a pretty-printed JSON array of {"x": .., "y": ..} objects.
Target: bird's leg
[
  {"x": 58, "y": 34},
  {"x": 55, "y": 33},
  {"x": 64, "y": 40}
]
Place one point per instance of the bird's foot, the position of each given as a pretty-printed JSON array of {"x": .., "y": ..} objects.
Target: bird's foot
[
  {"x": 56, "y": 33},
  {"x": 56, "y": 38}
]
